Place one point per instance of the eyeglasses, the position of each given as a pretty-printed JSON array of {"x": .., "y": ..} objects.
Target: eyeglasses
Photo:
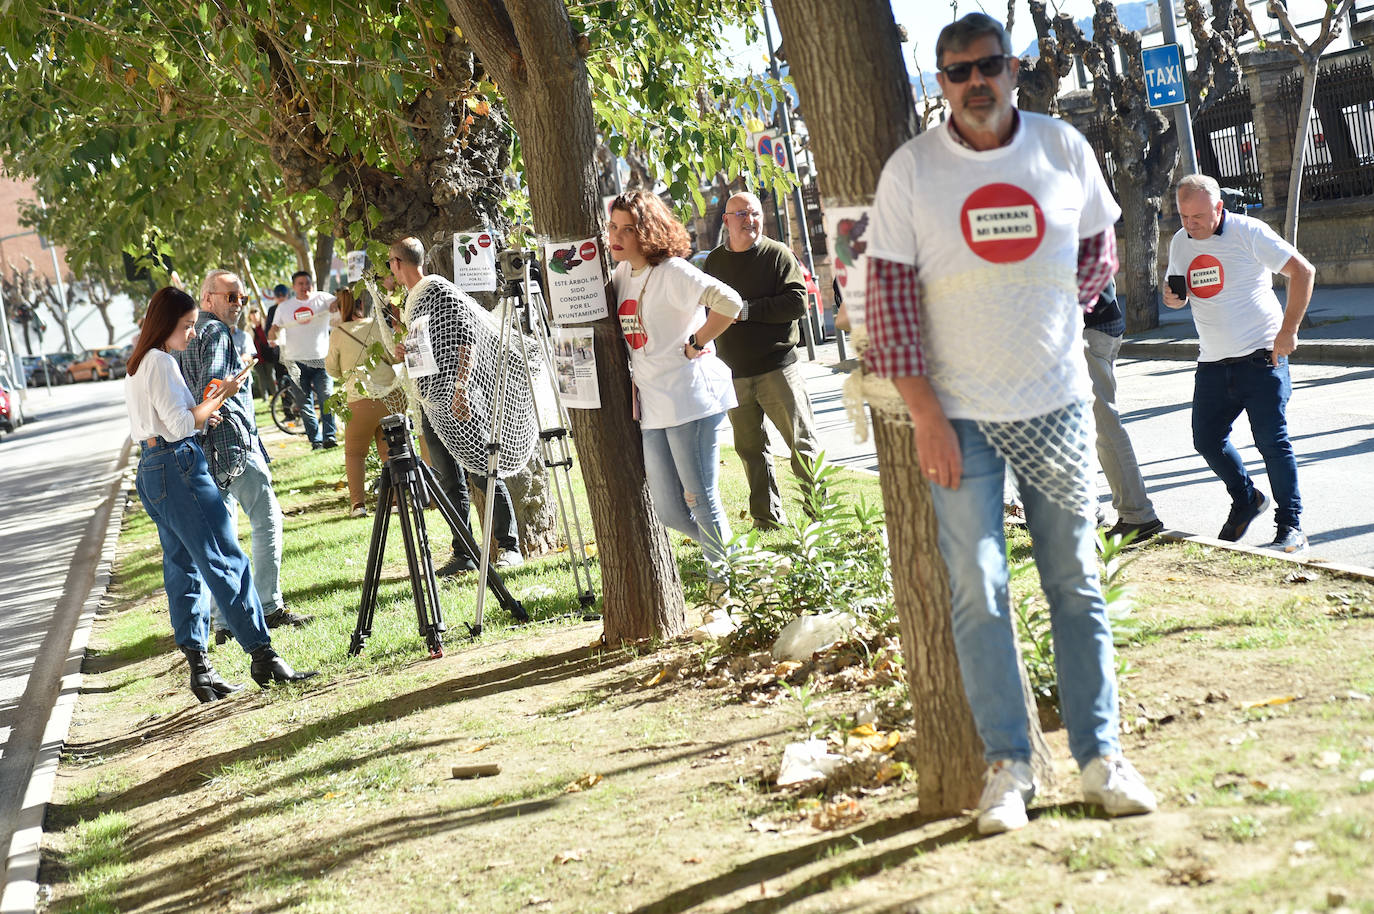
[
  {"x": 745, "y": 213},
  {"x": 232, "y": 297},
  {"x": 988, "y": 66}
]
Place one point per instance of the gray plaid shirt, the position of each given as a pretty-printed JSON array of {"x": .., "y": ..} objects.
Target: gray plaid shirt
[{"x": 212, "y": 354}]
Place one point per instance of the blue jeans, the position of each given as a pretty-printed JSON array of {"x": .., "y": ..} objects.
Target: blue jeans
[
  {"x": 317, "y": 385},
  {"x": 1221, "y": 391},
  {"x": 682, "y": 464},
  {"x": 253, "y": 490},
  {"x": 199, "y": 549},
  {"x": 974, "y": 549}
]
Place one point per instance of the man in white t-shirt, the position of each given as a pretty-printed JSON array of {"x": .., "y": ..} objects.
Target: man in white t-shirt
[
  {"x": 1225, "y": 262},
  {"x": 990, "y": 235},
  {"x": 303, "y": 322}
]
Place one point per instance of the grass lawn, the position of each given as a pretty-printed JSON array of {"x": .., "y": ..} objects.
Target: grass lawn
[{"x": 643, "y": 779}]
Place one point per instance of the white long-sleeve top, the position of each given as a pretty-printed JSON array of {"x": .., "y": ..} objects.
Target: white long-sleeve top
[{"x": 158, "y": 399}]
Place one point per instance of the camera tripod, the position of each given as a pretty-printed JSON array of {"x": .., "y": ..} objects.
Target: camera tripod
[
  {"x": 519, "y": 295},
  {"x": 408, "y": 483}
]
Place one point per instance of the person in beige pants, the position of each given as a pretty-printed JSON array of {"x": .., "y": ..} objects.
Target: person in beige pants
[{"x": 373, "y": 389}]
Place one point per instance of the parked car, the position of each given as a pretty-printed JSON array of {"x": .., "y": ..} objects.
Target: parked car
[
  {"x": 8, "y": 413},
  {"x": 90, "y": 367},
  {"x": 43, "y": 370},
  {"x": 117, "y": 360}
]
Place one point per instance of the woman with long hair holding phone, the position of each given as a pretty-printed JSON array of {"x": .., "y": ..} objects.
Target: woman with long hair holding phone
[
  {"x": 670, "y": 312},
  {"x": 199, "y": 549}
]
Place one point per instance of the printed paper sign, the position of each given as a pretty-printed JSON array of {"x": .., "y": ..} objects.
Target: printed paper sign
[
  {"x": 419, "y": 352},
  {"x": 574, "y": 367},
  {"x": 1205, "y": 276},
  {"x": 846, "y": 227},
  {"x": 577, "y": 285},
  {"x": 357, "y": 261},
  {"x": 474, "y": 261},
  {"x": 1002, "y": 223}
]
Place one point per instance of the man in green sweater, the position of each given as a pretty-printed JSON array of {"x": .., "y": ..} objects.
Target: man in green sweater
[{"x": 760, "y": 349}]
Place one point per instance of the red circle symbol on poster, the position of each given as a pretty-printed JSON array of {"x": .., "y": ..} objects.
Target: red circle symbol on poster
[
  {"x": 630, "y": 324},
  {"x": 1002, "y": 223},
  {"x": 841, "y": 272},
  {"x": 484, "y": 240},
  {"x": 303, "y": 315},
  {"x": 1205, "y": 276},
  {"x": 588, "y": 251}
]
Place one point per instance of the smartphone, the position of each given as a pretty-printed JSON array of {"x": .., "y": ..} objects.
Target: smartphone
[
  {"x": 246, "y": 370},
  {"x": 1178, "y": 286}
]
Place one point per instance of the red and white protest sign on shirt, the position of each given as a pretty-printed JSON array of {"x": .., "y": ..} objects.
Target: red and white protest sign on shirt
[
  {"x": 1002, "y": 223},
  {"x": 631, "y": 325},
  {"x": 1205, "y": 276},
  {"x": 303, "y": 314}
]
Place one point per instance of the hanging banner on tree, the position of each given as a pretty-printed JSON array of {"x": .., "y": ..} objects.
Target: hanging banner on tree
[
  {"x": 846, "y": 228},
  {"x": 575, "y": 281},
  {"x": 357, "y": 262},
  {"x": 474, "y": 261},
  {"x": 574, "y": 367}
]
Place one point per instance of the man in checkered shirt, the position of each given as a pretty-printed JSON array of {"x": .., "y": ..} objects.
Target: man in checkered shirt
[
  {"x": 235, "y": 453},
  {"x": 991, "y": 233}
]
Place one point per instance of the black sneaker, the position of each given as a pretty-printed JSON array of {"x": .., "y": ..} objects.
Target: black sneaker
[
  {"x": 1289, "y": 539},
  {"x": 1138, "y": 533},
  {"x": 456, "y": 565},
  {"x": 1238, "y": 521},
  {"x": 330, "y": 442},
  {"x": 285, "y": 616}
]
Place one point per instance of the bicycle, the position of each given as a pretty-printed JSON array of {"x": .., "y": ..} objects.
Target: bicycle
[{"x": 285, "y": 407}]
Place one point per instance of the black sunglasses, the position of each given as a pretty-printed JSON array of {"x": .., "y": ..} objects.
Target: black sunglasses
[{"x": 988, "y": 66}]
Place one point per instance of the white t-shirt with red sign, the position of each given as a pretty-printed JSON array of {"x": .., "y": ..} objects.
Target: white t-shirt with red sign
[
  {"x": 659, "y": 308},
  {"x": 305, "y": 326},
  {"x": 1231, "y": 286},
  {"x": 994, "y": 238}
]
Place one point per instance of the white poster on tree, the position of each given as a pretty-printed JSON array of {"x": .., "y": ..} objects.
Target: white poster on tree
[
  {"x": 575, "y": 281},
  {"x": 574, "y": 367},
  {"x": 474, "y": 261},
  {"x": 846, "y": 229}
]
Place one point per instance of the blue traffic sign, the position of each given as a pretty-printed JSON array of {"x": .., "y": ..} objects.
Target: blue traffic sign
[{"x": 1164, "y": 80}]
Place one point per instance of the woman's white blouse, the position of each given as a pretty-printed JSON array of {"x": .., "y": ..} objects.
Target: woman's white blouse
[{"x": 159, "y": 401}]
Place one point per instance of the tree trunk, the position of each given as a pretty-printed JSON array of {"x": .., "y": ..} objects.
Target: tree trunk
[
  {"x": 530, "y": 48},
  {"x": 324, "y": 259},
  {"x": 1139, "y": 284},
  {"x": 842, "y": 50}
]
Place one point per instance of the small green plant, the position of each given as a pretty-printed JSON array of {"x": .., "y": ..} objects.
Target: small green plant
[
  {"x": 835, "y": 558},
  {"x": 1242, "y": 829},
  {"x": 806, "y": 700}
]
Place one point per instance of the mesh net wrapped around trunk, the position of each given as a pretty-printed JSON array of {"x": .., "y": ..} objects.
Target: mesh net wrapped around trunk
[{"x": 460, "y": 396}]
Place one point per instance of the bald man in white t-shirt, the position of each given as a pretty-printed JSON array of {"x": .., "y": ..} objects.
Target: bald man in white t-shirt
[{"x": 1225, "y": 262}]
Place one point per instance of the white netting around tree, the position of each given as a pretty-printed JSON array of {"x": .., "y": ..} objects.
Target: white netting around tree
[{"x": 459, "y": 396}]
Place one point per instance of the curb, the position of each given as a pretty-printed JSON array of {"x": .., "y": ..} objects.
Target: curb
[
  {"x": 1354, "y": 571},
  {"x": 1320, "y": 353},
  {"x": 20, "y": 890}
]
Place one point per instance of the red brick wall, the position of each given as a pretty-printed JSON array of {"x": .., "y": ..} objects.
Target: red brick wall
[{"x": 13, "y": 250}]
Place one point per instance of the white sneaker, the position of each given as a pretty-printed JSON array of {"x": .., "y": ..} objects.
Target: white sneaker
[
  {"x": 1113, "y": 783},
  {"x": 1002, "y": 807},
  {"x": 359, "y": 511}
]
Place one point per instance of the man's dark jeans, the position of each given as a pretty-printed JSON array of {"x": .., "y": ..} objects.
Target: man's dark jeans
[
  {"x": 453, "y": 480},
  {"x": 1221, "y": 391}
]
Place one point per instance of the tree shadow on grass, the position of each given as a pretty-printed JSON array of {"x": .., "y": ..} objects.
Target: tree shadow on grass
[{"x": 779, "y": 865}]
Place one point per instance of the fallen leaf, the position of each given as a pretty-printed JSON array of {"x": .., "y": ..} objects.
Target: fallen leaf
[
  {"x": 654, "y": 679},
  {"x": 1299, "y": 576},
  {"x": 586, "y": 782},
  {"x": 1267, "y": 702},
  {"x": 838, "y": 814},
  {"x": 479, "y": 747},
  {"x": 569, "y": 856},
  {"x": 691, "y": 860}
]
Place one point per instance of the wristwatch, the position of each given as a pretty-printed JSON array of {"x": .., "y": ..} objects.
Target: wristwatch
[{"x": 692, "y": 341}]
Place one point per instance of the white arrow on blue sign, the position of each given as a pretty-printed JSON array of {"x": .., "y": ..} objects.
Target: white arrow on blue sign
[{"x": 1164, "y": 78}]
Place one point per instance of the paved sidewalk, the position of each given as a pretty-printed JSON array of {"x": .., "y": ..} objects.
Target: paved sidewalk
[{"x": 1343, "y": 333}]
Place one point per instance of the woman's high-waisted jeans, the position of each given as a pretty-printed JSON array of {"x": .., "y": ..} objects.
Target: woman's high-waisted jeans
[
  {"x": 682, "y": 464},
  {"x": 199, "y": 550}
]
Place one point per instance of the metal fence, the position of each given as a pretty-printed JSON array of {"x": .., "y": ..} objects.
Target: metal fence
[
  {"x": 1224, "y": 136},
  {"x": 1099, "y": 136},
  {"x": 1338, "y": 156}
]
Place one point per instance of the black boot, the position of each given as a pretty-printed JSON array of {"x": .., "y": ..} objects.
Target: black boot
[
  {"x": 268, "y": 667},
  {"x": 206, "y": 684}
]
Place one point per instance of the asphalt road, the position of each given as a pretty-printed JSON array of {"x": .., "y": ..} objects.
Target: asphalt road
[
  {"x": 60, "y": 475},
  {"x": 1330, "y": 417}
]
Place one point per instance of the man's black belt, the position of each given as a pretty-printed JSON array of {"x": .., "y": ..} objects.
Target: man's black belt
[{"x": 1237, "y": 359}]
